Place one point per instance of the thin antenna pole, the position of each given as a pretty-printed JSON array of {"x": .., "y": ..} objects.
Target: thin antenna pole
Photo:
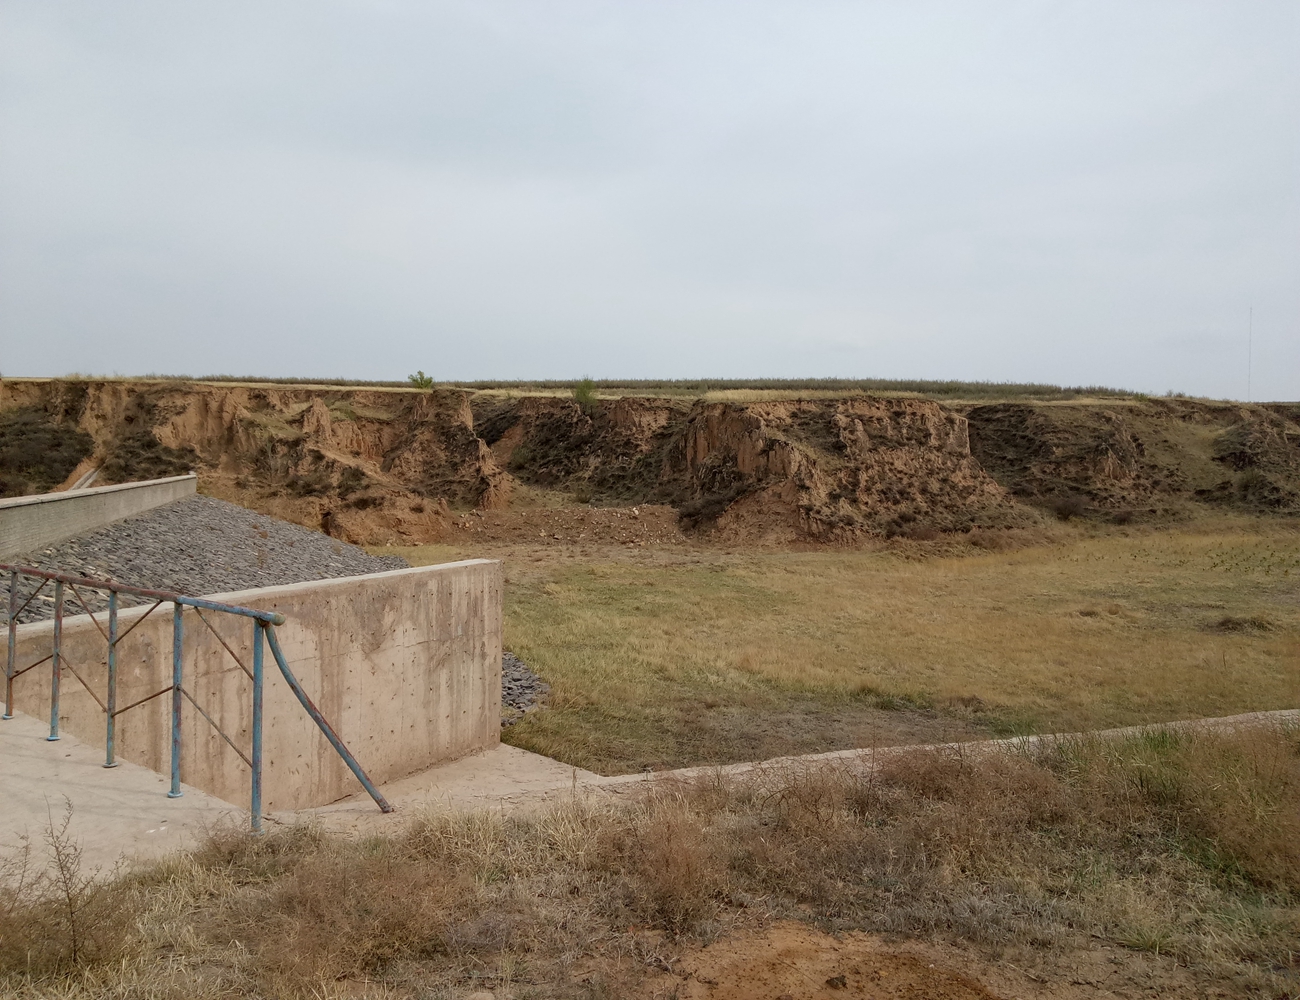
[{"x": 1250, "y": 350}]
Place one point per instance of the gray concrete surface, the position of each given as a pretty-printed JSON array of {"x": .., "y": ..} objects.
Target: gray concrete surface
[
  {"x": 28, "y": 523},
  {"x": 406, "y": 665},
  {"x": 118, "y": 814},
  {"x": 503, "y": 777}
]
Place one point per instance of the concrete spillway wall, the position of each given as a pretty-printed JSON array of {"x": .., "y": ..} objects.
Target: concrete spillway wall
[
  {"x": 406, "y": 665},
  {"x": 27, "y": 523}
]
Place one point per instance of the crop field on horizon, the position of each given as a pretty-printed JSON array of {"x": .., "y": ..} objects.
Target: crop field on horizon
[{"x": 687, "y": 388}]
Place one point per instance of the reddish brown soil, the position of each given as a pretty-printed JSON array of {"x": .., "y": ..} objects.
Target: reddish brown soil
[
  {"x": 647, "y": 525},
  {"x": 790, "y": 961}
]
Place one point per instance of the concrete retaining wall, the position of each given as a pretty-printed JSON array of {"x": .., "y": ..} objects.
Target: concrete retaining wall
[
  {"x": 27, "y": 523},
  {"x": 406, "y": 665}
]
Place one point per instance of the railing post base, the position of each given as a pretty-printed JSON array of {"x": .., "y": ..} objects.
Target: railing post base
[
  {"x": 114, "y": 764},
  {"x": 52, "y": 739},
  {"x": 174, "y": 795}
]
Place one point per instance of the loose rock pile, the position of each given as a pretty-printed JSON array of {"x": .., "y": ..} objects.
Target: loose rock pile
[
  {"x": 521, "y": 689},
  {"x": 196, "y": 546}
]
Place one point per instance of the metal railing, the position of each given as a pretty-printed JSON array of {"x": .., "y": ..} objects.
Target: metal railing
[{"x": 264, "y": 623}]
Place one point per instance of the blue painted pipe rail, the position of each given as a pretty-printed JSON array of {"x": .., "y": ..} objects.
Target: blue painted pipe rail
[{"x": 264, "y": 623}]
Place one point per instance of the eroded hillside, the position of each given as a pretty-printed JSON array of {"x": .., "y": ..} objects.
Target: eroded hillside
[{"x": 384, "y": 465}]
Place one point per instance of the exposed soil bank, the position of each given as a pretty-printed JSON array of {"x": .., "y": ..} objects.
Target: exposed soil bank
[{"x": 375, "y": 466}]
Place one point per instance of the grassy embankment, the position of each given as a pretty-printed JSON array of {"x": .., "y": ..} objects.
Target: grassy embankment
[
  {"x": 693, "y": 656},
  {"x": 1170, "y": 861}
]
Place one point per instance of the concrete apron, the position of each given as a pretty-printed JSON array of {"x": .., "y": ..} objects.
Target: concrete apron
[
  {"x": 119, "y": 814},
  {"x": 123, "y": 814}
]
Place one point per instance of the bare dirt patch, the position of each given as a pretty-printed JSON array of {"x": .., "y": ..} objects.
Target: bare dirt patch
[
  {"x": 647, "y": 525},
  {"x": 792, "y": 960}
]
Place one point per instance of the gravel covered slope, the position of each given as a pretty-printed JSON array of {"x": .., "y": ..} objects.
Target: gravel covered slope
[
  {"x": 201, "y": 546},
  {"x": 198, "y": 546}
]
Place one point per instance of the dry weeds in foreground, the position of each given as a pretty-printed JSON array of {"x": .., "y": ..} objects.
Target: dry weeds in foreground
[{"x": 1176, "y": 844}]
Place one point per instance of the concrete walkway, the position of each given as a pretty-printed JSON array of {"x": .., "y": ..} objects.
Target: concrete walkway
[
  {"x": 124, "y": 813},
  {"x": 118, "y": 814},
  {"x": 504, "y": 777}
]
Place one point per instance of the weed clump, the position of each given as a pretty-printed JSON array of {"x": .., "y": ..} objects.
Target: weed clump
[
  {"x": 1068, "y": 507},
  {"x": 139, "y": 455},
  {"x": 36, "y": 452},
  {"x": 584, "y": 394}
]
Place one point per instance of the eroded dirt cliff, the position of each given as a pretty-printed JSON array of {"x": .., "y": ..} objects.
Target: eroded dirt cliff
[
  {"x": 1146, "y": 458},
  {"x": 377, "y": 466}
]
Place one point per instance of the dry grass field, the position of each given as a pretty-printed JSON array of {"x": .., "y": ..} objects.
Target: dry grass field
[
  {"x": 695, "y": 655},
  {"x": 1160, "y": 865}
]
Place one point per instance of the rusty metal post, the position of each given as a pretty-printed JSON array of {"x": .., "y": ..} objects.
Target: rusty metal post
[
  {"x": 353, "y": 764},
  {"x": 178, "y": 634},
  {"x": 111, "y": 711},
  {"x": 13, "y": 638},
  {"x": 56, "y": 667},
  {"x": 255, "y": 808}
]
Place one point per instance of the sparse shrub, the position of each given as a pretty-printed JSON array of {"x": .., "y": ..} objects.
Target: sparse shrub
[
  {"x": 1250, "y": 483},
  {"x": 1068, "y": 507},
  {"x": 584, "y": 394},
  {"x": 1253, "y": 623},
  {"x": 668, "y": 863},
  {"x": 420, "y": 380},
  {"x": 351, "y": 479},
  {"x": 1122, "y": 516},
  {"x": 139, "y": 455},
  {"x": 58, "y": 916},
  {"x": 36, "y": 453}
]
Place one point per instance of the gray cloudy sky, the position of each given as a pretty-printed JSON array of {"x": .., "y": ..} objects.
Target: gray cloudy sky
[{"x": 1088, "y": 192}]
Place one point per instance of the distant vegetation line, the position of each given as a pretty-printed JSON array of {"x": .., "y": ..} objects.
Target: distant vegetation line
[{"x": 928, "y": 387}]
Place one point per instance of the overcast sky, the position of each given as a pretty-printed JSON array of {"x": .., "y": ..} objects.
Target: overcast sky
[{"x": 1078, "y": 193}]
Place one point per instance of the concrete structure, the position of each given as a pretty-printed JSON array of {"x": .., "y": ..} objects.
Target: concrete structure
[
  {"x": 119, "y": 814},
  {"x": 27, "y": 523},
  {"x": 406, "y": 666}
]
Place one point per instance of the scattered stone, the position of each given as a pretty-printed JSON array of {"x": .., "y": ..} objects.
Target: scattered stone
[{"x": 521, "y": 689}]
